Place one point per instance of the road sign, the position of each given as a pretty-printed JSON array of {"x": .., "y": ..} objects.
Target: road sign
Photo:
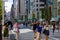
[{"x": 50, "y": 3}]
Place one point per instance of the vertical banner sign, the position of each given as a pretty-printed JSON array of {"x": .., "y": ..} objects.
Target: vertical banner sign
[
  {"x": 50, "y": 2},
  {"x": 26, "y": 9}
]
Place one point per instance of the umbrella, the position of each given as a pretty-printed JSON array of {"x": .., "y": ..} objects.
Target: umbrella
[
  {"x": 19, "y": 20},
  {"x": 58, "y": 16},
  {"x": 32, "y": 19},
  {"x": 41, "y": 19},
  {"x": 54, "y": 19}
]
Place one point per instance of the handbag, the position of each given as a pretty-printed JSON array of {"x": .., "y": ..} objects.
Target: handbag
[
  {"x": 44, "y": 31},
  {"x": 15, "y": 29}
]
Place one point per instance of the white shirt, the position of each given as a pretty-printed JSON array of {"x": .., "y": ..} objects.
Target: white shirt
[
  {"x": 47, "y": 28},
  {"x": 21, "y": 25}
]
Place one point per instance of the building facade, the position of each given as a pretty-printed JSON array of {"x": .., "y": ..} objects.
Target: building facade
[
  {"x": 38, "y": 5},
  {"x": 16, "y": 9},
  {"x": 59, "y": 8},
  {"x": 22, "y": 9},
  {"x": 54, "y": 8},
  {"x": 31, "y": 9},
  {"x": 12, "y": 14}
]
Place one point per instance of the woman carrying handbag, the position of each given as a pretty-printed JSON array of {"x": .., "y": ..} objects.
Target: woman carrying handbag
[
  {"x": 46, "y": 32},
  {"x": 16, "y": 30}
]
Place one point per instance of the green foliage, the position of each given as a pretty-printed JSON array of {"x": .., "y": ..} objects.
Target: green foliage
[
  {"x": 33, "y": 17},
  {"x": 6, "y": 34},
  {"x": 46, "y": 13},
  {"x": 43, "y": 13},
  {"x": 49, "y": 14},
  {"x": 1, "y": 9}
]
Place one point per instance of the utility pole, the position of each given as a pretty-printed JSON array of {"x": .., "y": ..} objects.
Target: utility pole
[{"x": 3, "y": 12}]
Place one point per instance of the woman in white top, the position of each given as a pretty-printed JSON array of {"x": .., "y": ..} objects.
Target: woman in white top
[{"x": 46, "y": 31}]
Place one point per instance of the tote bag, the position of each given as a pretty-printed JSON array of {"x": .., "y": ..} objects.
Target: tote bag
[{"x": 15, "y": 29}]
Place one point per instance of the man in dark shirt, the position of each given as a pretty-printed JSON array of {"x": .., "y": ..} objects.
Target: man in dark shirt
[
  {"x": 34, "y": 29},
  {"x": 34, "y": 26}
]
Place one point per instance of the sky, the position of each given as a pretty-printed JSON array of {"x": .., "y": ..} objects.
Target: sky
[{"x": 8, "y": 5}]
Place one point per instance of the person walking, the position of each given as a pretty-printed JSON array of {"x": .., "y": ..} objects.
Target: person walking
[
  {"x": 16, "y": 29},
  {"x": 53, "y": 28},
  {"x": 10, "y": 24},
  {"x": 34, "y": 29},
  {"x": 46, "y": 27},
  {"x": 39, "y": 30}
]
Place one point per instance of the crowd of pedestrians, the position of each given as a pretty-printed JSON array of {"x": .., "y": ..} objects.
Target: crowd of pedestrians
[{"x": 39, "y": 29}]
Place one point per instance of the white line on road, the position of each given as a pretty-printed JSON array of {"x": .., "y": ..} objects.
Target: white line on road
[
  {"x": 53, "y": 38},
  {"x": 25, "y": 30}
]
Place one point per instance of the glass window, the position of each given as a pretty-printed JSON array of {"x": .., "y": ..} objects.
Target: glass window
[
  {"x": 42, "y": 0},
  {"x": 37, "y": 9},
  {"x": 41, "y": 4},
  {"x": 36, "y": 0},
  {"x": 36, "y": 5}
]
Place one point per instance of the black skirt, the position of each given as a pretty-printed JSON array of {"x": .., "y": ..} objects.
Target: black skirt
[{"x": 46, "y": 32}]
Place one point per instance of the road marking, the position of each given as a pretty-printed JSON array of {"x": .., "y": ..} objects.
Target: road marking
[
  {"x": 25, "y": 30},
  {"x": 53, "y": 38}
]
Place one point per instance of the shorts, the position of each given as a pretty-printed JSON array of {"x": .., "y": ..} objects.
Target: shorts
[{"x": 38, "y": 35}]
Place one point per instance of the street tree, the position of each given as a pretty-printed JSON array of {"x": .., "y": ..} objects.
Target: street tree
[
  {"x": 0, "y": 9},
  {"x": 33, "y": 16},
  {"x": 46, "y": 13}
]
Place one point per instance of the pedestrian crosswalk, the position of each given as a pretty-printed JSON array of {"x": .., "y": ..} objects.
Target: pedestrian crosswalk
[
  {"x": 27, "y": 34},
  {"x": 44, "y": 39}
]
